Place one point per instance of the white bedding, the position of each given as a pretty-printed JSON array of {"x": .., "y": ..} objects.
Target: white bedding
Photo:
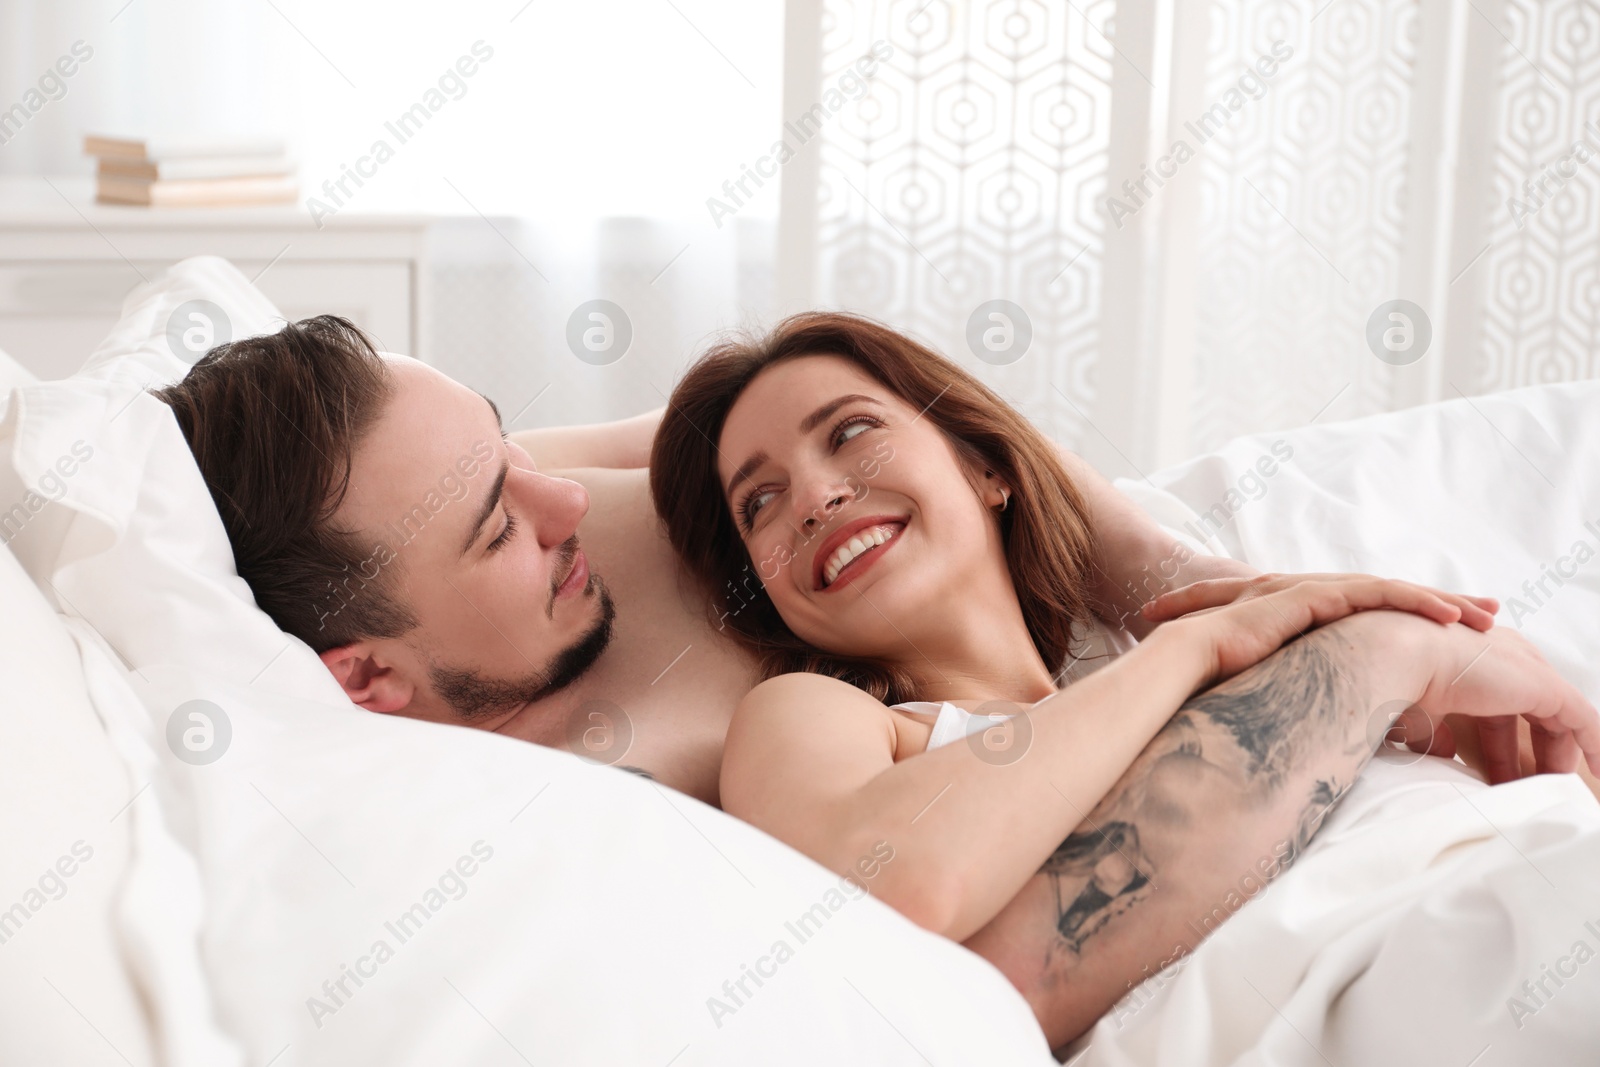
[
  {"x": 1405, "y": 934},
  {"x": 1485, "y": 495}
]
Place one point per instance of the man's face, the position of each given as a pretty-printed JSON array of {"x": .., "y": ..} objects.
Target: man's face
[{"x": 481, "y": 549}]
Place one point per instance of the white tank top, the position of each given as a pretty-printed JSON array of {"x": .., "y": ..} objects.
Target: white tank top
[
  {"x": 1099, "y": 647},
  {"x": 953, "y": 723}
]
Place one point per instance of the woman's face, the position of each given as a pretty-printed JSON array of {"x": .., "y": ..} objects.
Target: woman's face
[{"x": 857, "y": 512}]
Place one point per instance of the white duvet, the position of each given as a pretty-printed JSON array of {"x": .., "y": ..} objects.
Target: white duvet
[{"x": 1435, "y": 920}]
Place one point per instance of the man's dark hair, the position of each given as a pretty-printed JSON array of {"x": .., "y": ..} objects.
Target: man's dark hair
[{"x": 273, "y": 422}]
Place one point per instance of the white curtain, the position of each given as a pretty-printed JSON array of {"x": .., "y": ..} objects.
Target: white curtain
[
  {"x": 573, "y": 163},
  {"x": 1338, "y": 155},
  {"x": 1005, "y": 150}
]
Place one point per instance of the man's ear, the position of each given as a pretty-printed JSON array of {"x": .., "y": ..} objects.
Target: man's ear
[{"x": 367, "y": 680}]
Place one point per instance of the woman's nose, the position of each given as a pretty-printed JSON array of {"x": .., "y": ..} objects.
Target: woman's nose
[{"x": 821, "y": 502}]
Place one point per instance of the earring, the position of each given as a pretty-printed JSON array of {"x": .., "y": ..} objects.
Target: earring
[{"x": 1005, "y": 494}]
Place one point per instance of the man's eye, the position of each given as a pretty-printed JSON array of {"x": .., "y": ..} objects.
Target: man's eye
[{"x": 505, "y": 535}]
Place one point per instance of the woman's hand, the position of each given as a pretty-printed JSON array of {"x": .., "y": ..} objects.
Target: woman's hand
[
  {"x": 1475, "y": 611},
  {"x": 1250, "y": 626}
]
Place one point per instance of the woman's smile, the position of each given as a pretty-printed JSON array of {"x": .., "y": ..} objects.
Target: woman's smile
[{"x": 852, "y": 548}]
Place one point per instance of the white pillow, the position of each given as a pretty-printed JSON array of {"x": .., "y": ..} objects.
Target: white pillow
[
  {"x": 167, "y": 324},
  {"x": 63, "y": 791},
  {"x": 602, "y": 914},
  {"x": 1488, "y": 496}
]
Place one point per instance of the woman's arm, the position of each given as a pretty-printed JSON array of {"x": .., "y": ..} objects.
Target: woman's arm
[
  {"x": 619, "y": 445},
  {"x": 811, "y": 760},
  {"x": 807, "y": 761}
]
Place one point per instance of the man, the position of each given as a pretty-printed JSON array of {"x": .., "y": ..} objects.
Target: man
[{"x": 516, "y": 583}]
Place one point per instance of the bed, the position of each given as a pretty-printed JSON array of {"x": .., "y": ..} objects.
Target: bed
[{"x": 261, "y": 873}]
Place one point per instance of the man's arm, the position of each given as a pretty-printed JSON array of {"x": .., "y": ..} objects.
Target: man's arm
[
  {"x": 1223, "y": 800},
  {"x": 619, "y": 445},
  {"x": 1228, "y": 794},
  {"x": 1138, "y": 559}
]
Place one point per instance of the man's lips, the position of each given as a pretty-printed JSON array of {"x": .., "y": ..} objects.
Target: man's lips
[
  {"x": 577, "y": 577},
  {"x": 841, "y": 536}
]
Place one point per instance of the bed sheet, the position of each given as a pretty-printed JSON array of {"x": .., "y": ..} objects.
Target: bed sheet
[{"x": 1434, "y": 920}]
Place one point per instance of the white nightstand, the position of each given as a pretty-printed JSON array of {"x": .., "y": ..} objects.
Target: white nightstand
[{"x": 67, "y": 262}]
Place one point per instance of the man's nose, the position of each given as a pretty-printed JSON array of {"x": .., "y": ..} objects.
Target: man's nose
[{"x": 557, "y": 505}]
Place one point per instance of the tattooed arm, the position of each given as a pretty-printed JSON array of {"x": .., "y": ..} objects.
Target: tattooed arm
[{"x": 1226, "y": 797}]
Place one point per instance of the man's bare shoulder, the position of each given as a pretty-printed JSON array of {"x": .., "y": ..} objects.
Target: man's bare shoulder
[
  {"x": 628, "y": 543},
  {"x": 672, "y": 671},
  {"x": 618, "y": 492}
]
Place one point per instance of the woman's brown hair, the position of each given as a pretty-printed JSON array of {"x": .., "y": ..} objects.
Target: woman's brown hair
[{"x": 1049, "y": 543}]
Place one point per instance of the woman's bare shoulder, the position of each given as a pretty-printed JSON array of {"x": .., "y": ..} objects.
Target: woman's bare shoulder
[
  {"x": 798, "y": 744},
  {"x": 803, "y": 685},
  {"x": 816, "y": 716},
  {"x": 808, "y": 702}
]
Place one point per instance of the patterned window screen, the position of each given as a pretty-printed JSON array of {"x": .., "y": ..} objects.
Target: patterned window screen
[
  {"x": 970, "y": 172},
  {"x": 1540, "y": 277},
  {"x": 1205, "y": 210}
]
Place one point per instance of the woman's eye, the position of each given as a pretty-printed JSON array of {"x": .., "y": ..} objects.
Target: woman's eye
[
  {"x": 851, "y": 428},
  {"x": 754, "y": 503}
]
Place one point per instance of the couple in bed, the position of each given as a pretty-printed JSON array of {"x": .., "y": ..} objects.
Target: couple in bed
[{"x": 841, "y": 601}]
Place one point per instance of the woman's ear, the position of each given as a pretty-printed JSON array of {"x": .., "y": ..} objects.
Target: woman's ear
[
  {"x": 995, "y": 493},
  {"x": 366, "y": 680}
]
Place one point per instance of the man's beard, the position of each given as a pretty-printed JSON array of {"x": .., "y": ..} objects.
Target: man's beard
[{"x": 474, "y": 696}]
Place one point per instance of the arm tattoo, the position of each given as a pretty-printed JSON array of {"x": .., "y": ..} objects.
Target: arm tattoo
[
  {"x": 1276, "y": 709},
  {"x": 1107, "y": 867},
  {"x": 1254, "y": 731}
]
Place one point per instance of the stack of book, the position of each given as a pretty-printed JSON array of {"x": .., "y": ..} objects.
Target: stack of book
[{"x": 191, "y": 171}]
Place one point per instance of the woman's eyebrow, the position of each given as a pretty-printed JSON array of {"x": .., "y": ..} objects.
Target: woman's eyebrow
[
  {"x": 807, "y": 424},
  {"x": 746, "y": 469},
  {"x": 811, "y": 421}
]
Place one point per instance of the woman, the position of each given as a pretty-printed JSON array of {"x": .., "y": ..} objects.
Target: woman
[{"x": 902, "y": 549}]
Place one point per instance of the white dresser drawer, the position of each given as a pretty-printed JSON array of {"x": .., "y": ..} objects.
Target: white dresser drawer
[{"x": 53, "y": 314}]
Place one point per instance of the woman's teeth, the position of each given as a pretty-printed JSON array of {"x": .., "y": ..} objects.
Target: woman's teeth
[{"x": 863, "y": 540}]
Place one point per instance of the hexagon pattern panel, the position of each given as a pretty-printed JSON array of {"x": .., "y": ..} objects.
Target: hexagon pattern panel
[
  {"x": 1347, "y": 154},
  {"x": 1539, "y": 275},
  {"x": 1302, "y": 212},
  {"x": 970, "y": 172}
]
